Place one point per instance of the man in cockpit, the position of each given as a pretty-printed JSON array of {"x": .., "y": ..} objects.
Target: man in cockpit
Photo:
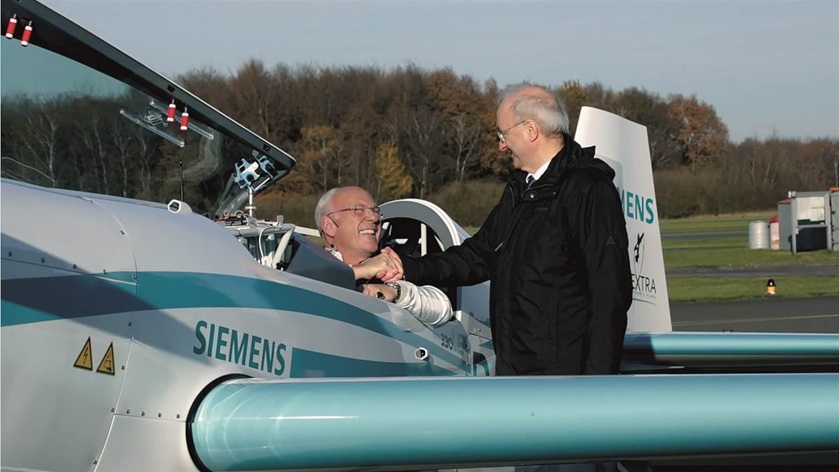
[{"x": 349, "y": 222}]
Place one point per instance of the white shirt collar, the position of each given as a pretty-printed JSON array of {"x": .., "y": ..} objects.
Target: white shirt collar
[
  {"x": 335, "y": 253},
  {"x": 540, "y": 171},
  {"x": 340, "y": 256}
]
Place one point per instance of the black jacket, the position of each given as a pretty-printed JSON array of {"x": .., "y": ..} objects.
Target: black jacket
[{"x": 557, "y": 258}]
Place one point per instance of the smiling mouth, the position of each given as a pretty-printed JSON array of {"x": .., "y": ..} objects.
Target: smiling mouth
[{"x": 371, "y": 232}]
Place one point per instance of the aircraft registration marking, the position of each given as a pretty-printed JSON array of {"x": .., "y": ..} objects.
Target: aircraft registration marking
[
  {"x": 459, "y": 345},
  {"x": 250, "y": 350},
  {"x": 84, "y": 359}
]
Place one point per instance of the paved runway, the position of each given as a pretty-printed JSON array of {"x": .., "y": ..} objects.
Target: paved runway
[
  {"x": 773, "y": 315},
  {"x": 767, "y": 272},
  {"x": 705, "y": 234}
]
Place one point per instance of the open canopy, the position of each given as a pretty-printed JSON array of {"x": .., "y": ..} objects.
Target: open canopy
[{"x": 109, "y": 124}]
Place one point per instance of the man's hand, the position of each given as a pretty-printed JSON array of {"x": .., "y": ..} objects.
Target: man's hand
[
  {"x": 382, "y": 267},
  {"x": 390, "y": 253},
  {"x": 380, "y": 291}
]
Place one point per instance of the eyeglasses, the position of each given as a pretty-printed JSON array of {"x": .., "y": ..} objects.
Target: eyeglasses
[
  {"x": 360, "y": 210},
  {"x": 502, "y": 135}
]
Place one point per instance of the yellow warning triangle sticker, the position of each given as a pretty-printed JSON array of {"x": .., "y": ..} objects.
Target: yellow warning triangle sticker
[
  {"x": 107, "y": 364},
  {"x": 84, "y": 361}
]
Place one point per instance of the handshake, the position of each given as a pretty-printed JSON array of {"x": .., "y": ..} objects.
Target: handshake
[{"x": 387, "y": 267}]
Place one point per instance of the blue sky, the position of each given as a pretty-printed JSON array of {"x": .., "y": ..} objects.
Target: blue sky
[{"x": 767, "y": 67}]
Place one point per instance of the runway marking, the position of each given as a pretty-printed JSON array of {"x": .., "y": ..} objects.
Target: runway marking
[{"x": 752, "y": 320}]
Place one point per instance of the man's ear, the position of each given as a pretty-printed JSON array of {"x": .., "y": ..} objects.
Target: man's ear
[
  {"x": 328, "y": 226},
  {"x": 532, "y": 130}
]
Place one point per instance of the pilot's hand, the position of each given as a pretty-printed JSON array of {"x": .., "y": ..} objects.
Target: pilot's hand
[
  {"x": 395, "y": 257},
  {"x": 388, "y": 251},
  {"x": 380, "y": 291},
  {"x": 380, "y": 267}
]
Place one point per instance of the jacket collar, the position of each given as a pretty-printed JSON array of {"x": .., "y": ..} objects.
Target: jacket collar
[{"x": 569, "y": 156}]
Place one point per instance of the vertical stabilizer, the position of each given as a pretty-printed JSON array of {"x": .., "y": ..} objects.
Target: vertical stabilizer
[{"x": 624, "y": 146}]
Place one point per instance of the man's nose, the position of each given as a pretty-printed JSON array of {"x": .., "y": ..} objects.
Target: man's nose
[
  {"x": 502, "y": 145},
  {"x": 372, "y": 216}
]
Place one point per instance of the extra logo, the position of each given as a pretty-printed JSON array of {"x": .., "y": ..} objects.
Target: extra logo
[{"x": 643, "y": 285}]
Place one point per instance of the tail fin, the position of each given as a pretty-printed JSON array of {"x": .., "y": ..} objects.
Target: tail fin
[{"x": 624, "y": 146}]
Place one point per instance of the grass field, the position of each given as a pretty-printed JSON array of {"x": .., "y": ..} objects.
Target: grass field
[
  {"x": 712, "y": 223},
  {"x": 685, "y": 256},
  {"x": 682, "y": 256},
  {"x": 706, "y": 289},
  {"x": 730, "y": 252}
]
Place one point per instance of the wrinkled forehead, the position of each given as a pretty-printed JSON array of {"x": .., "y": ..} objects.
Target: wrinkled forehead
[{"x": 353, "y": 196}]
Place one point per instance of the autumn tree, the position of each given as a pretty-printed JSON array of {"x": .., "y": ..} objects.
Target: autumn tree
[
  {"x": 323, "y": 148},
  {"x": 573, "y": 97},
  {"x": 598, "y": 95},
  {"x": 453, "y": 96},
  {"x": 818, "y": 162},
  {"x": 701, "y": 135},
  {"x": 213, "y": 87},
  {"x": 424, "y": 143},
  {"x": 399, "y": 132},
  {"x": 461, "y": 107},
  {"x": 832, "y": 157},
  {"x": 362, "y": 123},
  {"x": 650, "y": 110},
  {"x": 90, "y": 129},
  {"x": 260, "y": 98},
  {"x": 465, "y": 137},
  {"x": 392, "y": 179},
  {"x": 40, "y": 148},
  {"x": 123, "y": 152}
]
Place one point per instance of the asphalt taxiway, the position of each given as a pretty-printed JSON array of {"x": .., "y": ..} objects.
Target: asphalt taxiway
[{"x": 769, "y": 314}]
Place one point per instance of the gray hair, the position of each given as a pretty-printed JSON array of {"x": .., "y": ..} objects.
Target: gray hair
[
  {"x": 543, "y": 108},
  {"x": 324, "y": 206}
]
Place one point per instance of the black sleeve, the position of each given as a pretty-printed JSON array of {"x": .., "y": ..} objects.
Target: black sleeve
[{"x": 467, "y": 264}]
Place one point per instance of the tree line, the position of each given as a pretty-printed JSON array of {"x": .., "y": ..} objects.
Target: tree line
[{"x": 403, "y": 132}]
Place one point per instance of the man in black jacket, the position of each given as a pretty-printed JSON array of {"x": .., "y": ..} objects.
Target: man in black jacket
[{"x": 554, "y": 248}]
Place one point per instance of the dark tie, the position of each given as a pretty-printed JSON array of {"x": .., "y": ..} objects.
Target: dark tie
[{"x": 530, "y": 179}]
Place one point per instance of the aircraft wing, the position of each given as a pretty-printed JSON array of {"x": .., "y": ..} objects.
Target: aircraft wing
[
  {"x": 690, "y": 352},
  {"x": 423, "y": 423}
]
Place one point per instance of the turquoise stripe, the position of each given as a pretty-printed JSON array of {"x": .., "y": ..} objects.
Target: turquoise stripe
[
  {"x": 25, "y": 303},
  {"x": 214, "y": 290},
  {"x": 14, "y": 314},
  {"x": 313, "y": 364},
  {"x": 33, "y": 300}
]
